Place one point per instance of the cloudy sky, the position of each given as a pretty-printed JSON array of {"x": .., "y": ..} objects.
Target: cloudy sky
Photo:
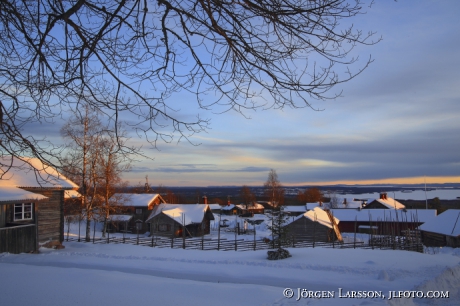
[{"x": 399, "y": 121}]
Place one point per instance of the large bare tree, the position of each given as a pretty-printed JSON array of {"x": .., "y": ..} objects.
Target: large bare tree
[
  {"x": 96, "y": 163},
  {"x": 132, "y": 58},
  {"x": 84, "y": 135}
]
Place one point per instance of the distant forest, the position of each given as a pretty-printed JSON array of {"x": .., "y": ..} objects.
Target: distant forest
[{"x": 223, "y": 194}]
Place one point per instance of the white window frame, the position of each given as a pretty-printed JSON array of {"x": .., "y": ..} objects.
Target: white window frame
[
  {"x": 138, "y": 211},
  {"x": 23, "y": 211}
]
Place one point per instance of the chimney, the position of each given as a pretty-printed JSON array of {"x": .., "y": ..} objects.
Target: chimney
[
  {"x": 320, "y": 203},
  {"x": 345, "y": 201},
  {"x": 383, "y": 196},
  {"x": 204, "y": 199}
]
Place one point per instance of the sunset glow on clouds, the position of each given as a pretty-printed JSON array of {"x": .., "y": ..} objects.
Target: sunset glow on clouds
[{"x": 397, "y": 122}]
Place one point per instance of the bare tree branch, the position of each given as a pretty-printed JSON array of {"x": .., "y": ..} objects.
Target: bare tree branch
[{"x": 129, "y": 59}]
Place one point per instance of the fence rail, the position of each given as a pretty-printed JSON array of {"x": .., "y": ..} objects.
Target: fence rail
[{"x": 206, "y": 244}]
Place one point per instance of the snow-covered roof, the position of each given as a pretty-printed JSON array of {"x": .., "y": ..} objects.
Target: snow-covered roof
[
  {"x": 228, "y": 207},
  {"x": 312, "y": 205},
  {"x": 255, "y": 206},
  {"x": 32, "y": 173},
  {"x": 351, "y": 202},
  {"x": 120, "y": 218},
  {"x": 447, "y": 223},
  {"x": 389, "y": 202},
  {"x": 71, "y": 194},
  {"x": 301, "y": 208},
  {"x": 409, "y": 215},
  {"x": 192, "y": 213},
  {"x": 215, "y": 206},
  {"x": 251, "y": 206},
  {"x": 14, "y": 194},
  {"x": 134, "y": 199},
  {"x": 317, "y": 215}
]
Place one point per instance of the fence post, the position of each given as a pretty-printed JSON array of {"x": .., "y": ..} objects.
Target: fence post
[
  {"x": 218, "y": 232},
  {"x": 124, "y": 232},
  {"x": 254, "y": 236},
  {"x": 314, "y": 232},
  {"x": 79, "y": 226},
  {"x": 202, "y": 241},
  {"x": 173, "y": 233},
  {"x": 94, "y": 229},
  {"x": 68, "y": 226},
  {"x": 354, "y": 238},
  {"x": 235, "y": 237},
  {"x": 183, "y": 231}
]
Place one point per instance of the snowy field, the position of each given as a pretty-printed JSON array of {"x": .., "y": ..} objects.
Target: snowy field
[{"x": 117, "y": 274}]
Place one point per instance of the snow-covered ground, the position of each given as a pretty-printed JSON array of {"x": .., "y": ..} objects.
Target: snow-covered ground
[{"x": 118, "y": 274}]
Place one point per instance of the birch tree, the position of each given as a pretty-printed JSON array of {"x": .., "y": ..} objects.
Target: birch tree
[{"x": 84, "y": 134}]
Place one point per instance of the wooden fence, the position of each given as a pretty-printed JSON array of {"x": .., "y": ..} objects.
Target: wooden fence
[{"x": 207, "y": 244}]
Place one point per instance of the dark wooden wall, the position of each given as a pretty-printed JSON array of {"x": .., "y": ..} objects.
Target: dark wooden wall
[
  {"x": 194, "y": 230},
  {"x": 382, "y": 227},
  {"x": 50, "y": 214},
  {"x": 306, "y": 229},
  {"x": 163, "y": 219},
  {"x": 18, "y": 239},
  {"x": 2, "y": 216}
]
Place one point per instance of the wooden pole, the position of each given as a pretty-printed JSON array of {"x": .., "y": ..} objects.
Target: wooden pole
[
  {"x": 354, "y": 238},
  {"x": 94, "y": 231},
  {"x": 218, "y": 233},
  {"x": 183, "y": 231}
]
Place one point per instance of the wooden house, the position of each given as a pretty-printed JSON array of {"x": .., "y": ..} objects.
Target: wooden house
[
  {"x": 253, "y": 208},
  {"x": 132, "y": 210},
  {"x": 381, "y": 221},
  {"x": 314, "y": 225},
  {"x": 176, "y": 220},
  {"x": 231, "y": 209},
  {"x": 216, "y": 208},
  {"x": 444, "y": 230},
  {"x": 31, "y": 205},
  {"x": 384, "y": 202}
]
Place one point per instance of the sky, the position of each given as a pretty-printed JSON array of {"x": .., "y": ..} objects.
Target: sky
[{"x": 397, "y": 122}]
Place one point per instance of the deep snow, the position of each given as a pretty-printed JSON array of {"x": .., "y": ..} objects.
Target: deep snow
[{"x": 117, "y": 274}]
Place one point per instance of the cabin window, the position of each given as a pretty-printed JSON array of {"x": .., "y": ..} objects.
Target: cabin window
[
  {"x": 138, "y": 225},
  {"x": 138, "y": 211},
  {"x": 164, "y": 227},
  {"x": 22, "y": 211}
]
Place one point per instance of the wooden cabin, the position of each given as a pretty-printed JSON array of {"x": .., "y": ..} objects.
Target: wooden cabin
[
  {"x": 382, "y": 221},
  {"x": 314, "y": 225},
  {"x": 231, "y": 209},
  {"x": 254, "y": 208},
  {"x": 31, "y": 205},
  {"x": 444, "y": 230},
  {"x": 176, "y": 220},
  {"x": 384, "y": 202},
  {"x": 132, "y": 211}
]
